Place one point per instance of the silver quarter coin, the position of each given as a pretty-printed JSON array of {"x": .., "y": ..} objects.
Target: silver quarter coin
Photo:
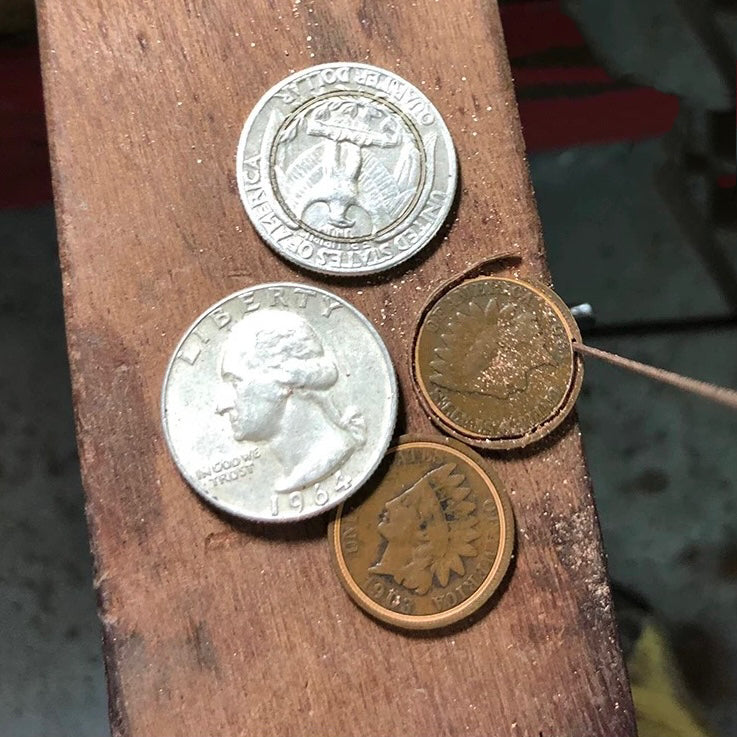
[
  {"x": 279, "y": 402},
  {"x": 346, "y": 169}
]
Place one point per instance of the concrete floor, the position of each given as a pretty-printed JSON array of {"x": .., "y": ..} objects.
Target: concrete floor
[
  {"x": 662, "y": 463},
  {"x": 52, "y": 679}
]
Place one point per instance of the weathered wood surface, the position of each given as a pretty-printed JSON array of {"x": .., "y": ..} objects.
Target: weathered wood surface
[{"x": 218, "y": 628}]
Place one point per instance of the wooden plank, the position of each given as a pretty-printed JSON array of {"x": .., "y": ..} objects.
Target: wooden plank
[{"x": 223, "y": 628}]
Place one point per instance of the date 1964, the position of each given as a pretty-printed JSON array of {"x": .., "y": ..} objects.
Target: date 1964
[{"x": 317, "y": 495}]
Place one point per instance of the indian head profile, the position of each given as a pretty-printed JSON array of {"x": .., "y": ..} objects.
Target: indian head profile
[
  {"x": 276, "y": 385},
  {"x": 429, "y": 529},
  {"x": 492, "y": 350}
]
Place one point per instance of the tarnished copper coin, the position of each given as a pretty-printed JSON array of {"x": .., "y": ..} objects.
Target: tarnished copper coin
[
  {"x": 493, "y": 361},
  {"x": 430, "y": 540}
]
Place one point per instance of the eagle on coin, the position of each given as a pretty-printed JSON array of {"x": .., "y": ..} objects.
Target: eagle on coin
[{"x": 340, "y": 185}]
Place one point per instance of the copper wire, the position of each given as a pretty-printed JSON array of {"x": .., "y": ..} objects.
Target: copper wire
[{"x": 719, "y": 394}]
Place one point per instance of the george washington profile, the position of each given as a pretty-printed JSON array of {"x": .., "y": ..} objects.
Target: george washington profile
[{"x": 276, "y": 387}]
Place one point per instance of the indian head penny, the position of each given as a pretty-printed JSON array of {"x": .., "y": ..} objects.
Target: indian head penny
[
  {"x": 346, "y": 169},
  {"x": 431, "y": 538},
  {"x": 279, "y": 402},
  {"x": 493, "y": 361}
]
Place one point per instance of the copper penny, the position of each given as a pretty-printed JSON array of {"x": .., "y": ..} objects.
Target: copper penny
[
  {"x": 431, "y": 538},
  {"x": 493, "y": 361}
]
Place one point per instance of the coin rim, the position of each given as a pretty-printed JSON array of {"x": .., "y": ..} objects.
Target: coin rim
[
  {"x": 546, "y": 426},
  {"x": 452, "y": 178},
  {"x": 381, "y": 447},
  {"x": 493, "y": 579}
]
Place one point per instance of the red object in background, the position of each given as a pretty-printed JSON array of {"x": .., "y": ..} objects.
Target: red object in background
[
  {"x": 563, "y": 103},
  {"x": 564, "y": 99},
  {"x": 606, "y": 117},
  {"x": 535, "y": 26},
  {"x": 25, "y": 176}
]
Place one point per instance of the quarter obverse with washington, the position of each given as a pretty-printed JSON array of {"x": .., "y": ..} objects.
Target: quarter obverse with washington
[
  {"x": 279, "y": 402},
  {"x": 346, "y": 169}
]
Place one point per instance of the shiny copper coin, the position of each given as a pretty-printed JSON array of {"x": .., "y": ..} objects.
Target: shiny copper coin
[
  {"x": 493, "y": 361},
  {"x": 431, "y": 538}
]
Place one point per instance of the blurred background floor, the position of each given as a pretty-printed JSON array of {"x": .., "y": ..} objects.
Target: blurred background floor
[{"x": 52, "y": 679}]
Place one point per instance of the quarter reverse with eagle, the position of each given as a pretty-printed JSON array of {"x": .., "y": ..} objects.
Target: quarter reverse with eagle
[{"x": 346, "y": 169}]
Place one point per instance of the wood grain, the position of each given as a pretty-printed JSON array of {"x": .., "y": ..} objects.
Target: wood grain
[{"x": 221, "y": 628}]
